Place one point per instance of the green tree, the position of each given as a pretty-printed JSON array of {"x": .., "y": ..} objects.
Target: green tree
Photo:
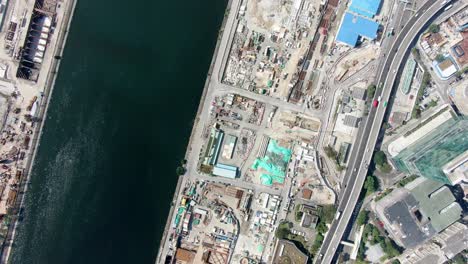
[
  {"x": 434, "y": 28},
  {"x": 371, "y": 184},
  {"x": 299, "y": 215},
  {"x": 416, "y": 112},
  {"x": 361, "y": 251},
  {"x": 416, "y": 54},
  {"x": 390, "y": 248},
  {"x": 407, "y": 180},
  {"x": 376, "y": 238},
  {"x": 330, "y": 152},
  {"x": 440, "y": 58},
  {"x": 180, "y": 170},
  {"x": 282, "y": 231},
  {"x": 321, "y": 227},
  {"x": 371, "y": 234},
  {"x": 317, "y": 243},
  {"x": 327, "y": 213},
  {"x": 426, "y": 79},
  {"x": 383, "y": 194},
  {"x": 380, "y": 158},
  {"x": 371, "y": 91},
  {"x": 459, "y": 258},
  {"x": 362, "y": 217}
]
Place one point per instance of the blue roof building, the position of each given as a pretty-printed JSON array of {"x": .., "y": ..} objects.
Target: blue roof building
[
  {"x": 368, "y": 8},
  {"x": 353, "y": 27}
]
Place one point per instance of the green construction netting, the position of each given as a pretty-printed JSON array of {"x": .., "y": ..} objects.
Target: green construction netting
[
  {"x": 180, "y": 211},
  {"x": 274, "y": 162},
  {"x": 260, "y": 248}
]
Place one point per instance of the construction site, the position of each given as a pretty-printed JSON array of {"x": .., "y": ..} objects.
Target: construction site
[
  {"x": 253, "y": 141},
  {"x": 290, "y": 95},
  {"x": 270, "y": 46}
]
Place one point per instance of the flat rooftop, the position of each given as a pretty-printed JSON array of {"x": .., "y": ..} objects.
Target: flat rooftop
[
  {"x": 408, "y": 73},
  {"x": 420, "y": 130},
  {"x": 404, "y": 224},
  {"x": 427, "y": 155},
  {"x": 354, "y": 27},
  {"x": 419, "y": 211},
  {"x": 436, "y": 202},
  {"x": 368, "y": 8},
  {"x": 460, "y": 50},
  {"x": 446, "y": 68},
  {"x": 457, "y": 169},
  {"x": 287, "y": 252},
  {"x": 440, "y": 248},
  {"x": 459, "y": 95}
]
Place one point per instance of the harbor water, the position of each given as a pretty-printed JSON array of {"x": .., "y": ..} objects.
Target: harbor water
[{"x": 119, "y": 121}]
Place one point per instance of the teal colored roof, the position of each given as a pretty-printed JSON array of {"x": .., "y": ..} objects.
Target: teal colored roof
[
  {"x": 408, "y": 74},
  {"x": 428, "y": 155},
  {"x": 354, "y": 26},
  {"x": 436, "y": 202},
  {"x": 368, "y": 8}
]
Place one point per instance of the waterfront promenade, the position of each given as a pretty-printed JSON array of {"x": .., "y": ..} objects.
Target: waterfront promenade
[{"x": 226, "y": 33}]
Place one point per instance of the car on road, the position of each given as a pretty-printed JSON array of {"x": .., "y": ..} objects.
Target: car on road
[
  {"x": 390, "y": 32},
  {"x": 375, "y": 103},
  {"x": 337, "y": 216}
]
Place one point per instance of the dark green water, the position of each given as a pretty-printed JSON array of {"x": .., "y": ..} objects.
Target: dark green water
[{"x": 118, "y": 124}]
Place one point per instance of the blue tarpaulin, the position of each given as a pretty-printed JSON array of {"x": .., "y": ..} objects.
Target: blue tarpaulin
[
  {"x": 354, "y": 26},
  {"x": 368, "y": 8}
]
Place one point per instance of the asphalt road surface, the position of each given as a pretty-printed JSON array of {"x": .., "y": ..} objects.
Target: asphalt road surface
[{"x": 362, "y": 153}]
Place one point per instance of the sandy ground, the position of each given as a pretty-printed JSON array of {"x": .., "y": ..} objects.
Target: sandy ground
[
  {"x": 269, "y": 14},
  {"x": 355, "y": 61}
]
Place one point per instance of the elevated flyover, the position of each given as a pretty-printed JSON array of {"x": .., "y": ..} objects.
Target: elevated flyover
[{"x": 365, "y": 143}]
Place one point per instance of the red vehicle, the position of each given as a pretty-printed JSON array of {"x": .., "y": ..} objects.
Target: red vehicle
[{"x": 375, "y": 103}]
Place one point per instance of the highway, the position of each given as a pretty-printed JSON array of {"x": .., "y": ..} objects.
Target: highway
[{"x": 365, "y": 143}]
